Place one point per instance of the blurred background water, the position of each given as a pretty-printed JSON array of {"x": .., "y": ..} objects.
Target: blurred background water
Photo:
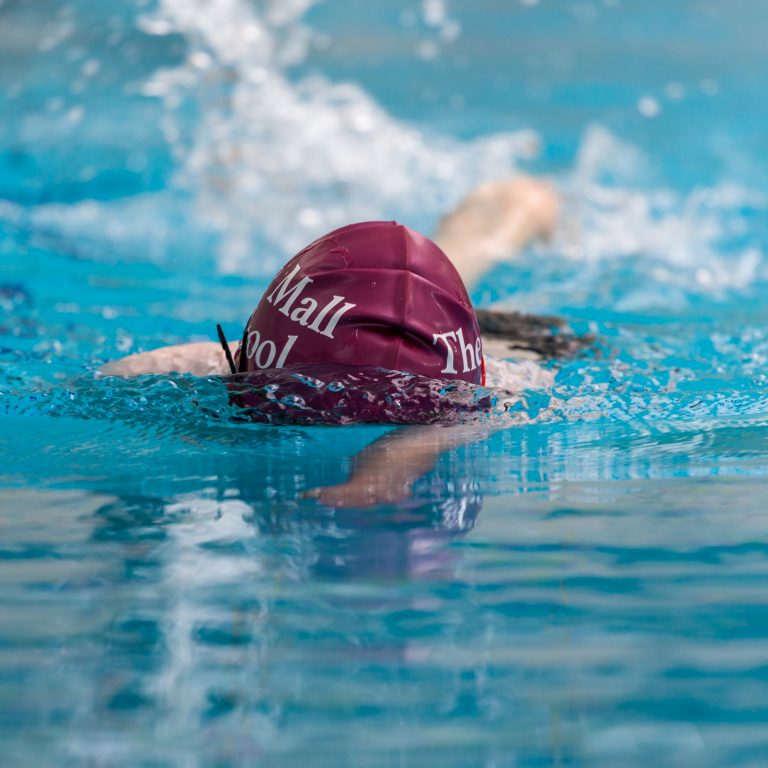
[{"x": 587, "y": 589}]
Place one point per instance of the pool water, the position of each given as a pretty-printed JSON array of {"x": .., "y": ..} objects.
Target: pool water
[{"x": 586, "y": 588}]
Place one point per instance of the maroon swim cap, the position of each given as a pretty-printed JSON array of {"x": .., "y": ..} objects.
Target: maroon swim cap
[{"x": 374, "y": 294}]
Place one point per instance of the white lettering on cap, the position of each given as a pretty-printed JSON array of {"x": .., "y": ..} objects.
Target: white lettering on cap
[
  {"x": 333, "y": 322},
  {"x": 256, "y": 349},
  {"x": 288, "y": 296},
  {"x": 448, "y": 349},
  {"x": 284, "y": 295},
  {"x": 471, "y": 356}
]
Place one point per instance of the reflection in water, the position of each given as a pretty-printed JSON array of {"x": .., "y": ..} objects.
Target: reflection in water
[
  {"x": 230, "y": 598},
  {"x": 207, "y": 609}
]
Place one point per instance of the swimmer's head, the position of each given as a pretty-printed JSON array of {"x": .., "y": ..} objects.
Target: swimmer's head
[{"x": 372, "y": 294}]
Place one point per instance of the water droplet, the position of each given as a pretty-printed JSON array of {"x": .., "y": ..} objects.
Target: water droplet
[{"x": 648, "y": 107}]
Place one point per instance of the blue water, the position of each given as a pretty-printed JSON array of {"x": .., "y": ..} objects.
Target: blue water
[{"x": 587, "y": 589}]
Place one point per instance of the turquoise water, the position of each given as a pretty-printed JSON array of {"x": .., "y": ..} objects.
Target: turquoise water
[{"x": 585, "y": 589}]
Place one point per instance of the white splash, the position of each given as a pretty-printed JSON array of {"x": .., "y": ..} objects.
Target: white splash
[
  {"x": 611, "y": 213},
  {"x": 275, "y": 163},
  {"x": 266, "y": 162}
]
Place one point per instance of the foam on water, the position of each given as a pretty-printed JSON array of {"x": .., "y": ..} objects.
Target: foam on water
[
  {"x": 253, "y": 184},
  {"x": 266, "y": 163},
  {"x": 321, "y": 155},
  {"x": 684, "y": 245}
]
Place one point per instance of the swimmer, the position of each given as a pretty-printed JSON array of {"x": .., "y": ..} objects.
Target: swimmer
[
  {"x": 496, "y": 221},
  {"x": 378, "y": 295}
]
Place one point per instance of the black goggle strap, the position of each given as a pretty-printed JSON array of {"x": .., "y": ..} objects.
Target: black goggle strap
[
  {"x": 227, "y": 351},
  {"x": 243, "y": 362}
]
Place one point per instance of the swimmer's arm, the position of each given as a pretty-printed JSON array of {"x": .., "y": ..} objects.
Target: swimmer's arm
[
  {"x": 384, "y": 472},
  {"x": 205, "y": 358},
  {"x": 494, "y": 222}
]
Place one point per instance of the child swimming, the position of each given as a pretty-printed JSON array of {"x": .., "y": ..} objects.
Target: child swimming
[
  {"x": 408, "y": 309},
  {"x": 376, "y": 297}
]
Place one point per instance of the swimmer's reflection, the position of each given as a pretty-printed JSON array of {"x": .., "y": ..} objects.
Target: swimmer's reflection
[
  {"x": 394, "y": 517},
  {"x": 211, "y": 569},
  {"x": 222, "y": 596},
  {"x": 408, "y": 495},
  {"x": 390, "y": 550}
]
